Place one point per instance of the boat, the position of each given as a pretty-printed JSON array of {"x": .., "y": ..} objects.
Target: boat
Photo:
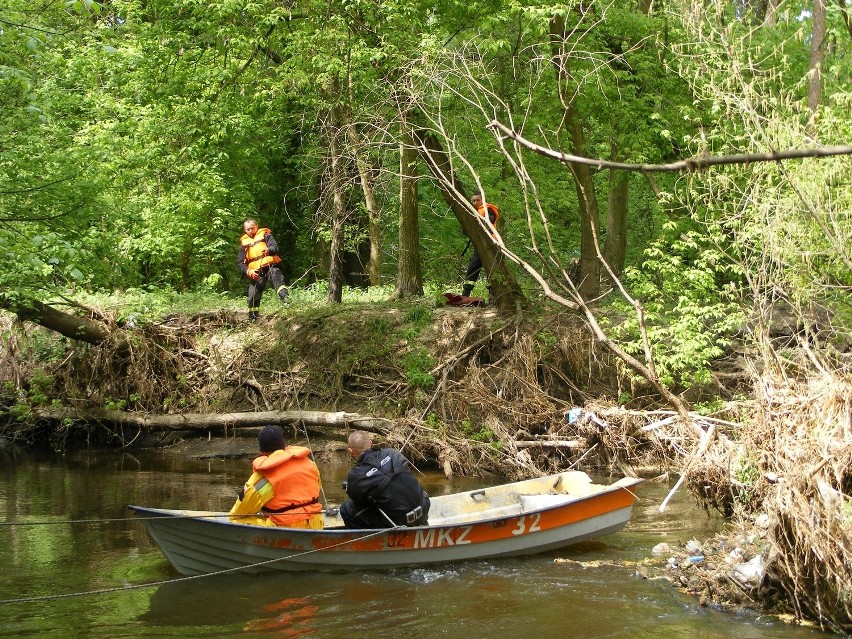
[{"x": 519, "y": 518}]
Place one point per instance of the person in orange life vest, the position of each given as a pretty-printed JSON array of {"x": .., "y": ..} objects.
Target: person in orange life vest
[
  {"x": 258, "y": 260},
  {"x": 474, "y": 267},
  {"x": 284, "y": 486}
]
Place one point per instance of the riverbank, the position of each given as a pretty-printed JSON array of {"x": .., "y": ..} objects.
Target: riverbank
[{"x": 472, "y": 392}]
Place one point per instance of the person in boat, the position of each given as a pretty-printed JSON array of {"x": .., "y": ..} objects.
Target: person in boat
[
  {"x": 258, "y": 259},
  {"x": 284, "y": 487},
  {"x": 491, "y": 213},
  {"x": 383, "y": 492}
]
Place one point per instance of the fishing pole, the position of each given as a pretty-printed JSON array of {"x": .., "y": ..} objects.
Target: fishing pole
[{"x": 330, "y": 511}]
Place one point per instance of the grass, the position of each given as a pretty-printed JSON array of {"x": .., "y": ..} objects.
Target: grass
[{"x": 151, "y": 304}]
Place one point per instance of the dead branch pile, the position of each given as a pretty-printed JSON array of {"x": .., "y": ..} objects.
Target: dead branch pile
[
  {"x": 785, "y": 474},
  {"x": 804, "y": 435}
]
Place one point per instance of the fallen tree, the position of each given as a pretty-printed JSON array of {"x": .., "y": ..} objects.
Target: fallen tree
[
  {"x": 84, "y": 329},
  {"x": 218, "y": 422}
]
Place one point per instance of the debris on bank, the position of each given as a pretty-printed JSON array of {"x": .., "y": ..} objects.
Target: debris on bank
[{"x": 725, "y": 571}]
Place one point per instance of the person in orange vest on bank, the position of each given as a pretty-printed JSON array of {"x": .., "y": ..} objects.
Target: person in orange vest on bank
[
  {"x": 258, "y": 260},
  {"x": 491, "y": 213},
  {"x": 284, "y": 486}
]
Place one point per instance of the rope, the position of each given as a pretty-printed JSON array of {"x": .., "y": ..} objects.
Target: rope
[
  {"x": 153, "y": 584},
  {"x": 330, "y": 511}
]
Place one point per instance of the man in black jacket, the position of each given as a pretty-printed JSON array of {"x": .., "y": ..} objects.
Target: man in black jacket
[{"x": 383, "y": 493}]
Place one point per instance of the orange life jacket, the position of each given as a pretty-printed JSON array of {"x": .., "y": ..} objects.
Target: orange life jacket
[
  {"x": 486, "y": 208},
  {"x": 295, "y": 479},
  {"x": 255, "y": 246}
]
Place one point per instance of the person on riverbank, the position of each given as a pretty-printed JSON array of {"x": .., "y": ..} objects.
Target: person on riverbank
[
  {"x": 491, "y": 213},
  {"x": 383, "y": 492},
  {"x": 284, "y": 486},
  {"x": 258, "y": 259}
]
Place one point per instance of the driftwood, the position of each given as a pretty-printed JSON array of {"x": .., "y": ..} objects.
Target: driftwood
[
  {"x": 571, "y": 443},
  {"x": 219, "y": 421}
]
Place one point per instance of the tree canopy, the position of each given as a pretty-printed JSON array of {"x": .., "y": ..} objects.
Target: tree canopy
[{"x": 135, "y": 137}]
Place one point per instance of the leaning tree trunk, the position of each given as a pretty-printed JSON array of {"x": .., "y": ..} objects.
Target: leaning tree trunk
[
  {"x": 79, "y": 328},
  {"x": 375, "y": 232},
  {"x": 504, "y": 289}
]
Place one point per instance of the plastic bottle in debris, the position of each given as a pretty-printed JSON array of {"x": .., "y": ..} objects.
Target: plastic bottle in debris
[{"x": 573, "y": 415}]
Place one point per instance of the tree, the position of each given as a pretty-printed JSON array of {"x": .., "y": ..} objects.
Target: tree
[
  {"x": 409, "y": 282},
  {"x": 505, "y": 289}
]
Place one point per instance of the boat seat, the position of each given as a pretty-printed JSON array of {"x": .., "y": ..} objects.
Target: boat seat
[
  {"x": 435, "y": 518},
  {"x": 576, "y": 483},
  {"x": 538, "y": 502}
]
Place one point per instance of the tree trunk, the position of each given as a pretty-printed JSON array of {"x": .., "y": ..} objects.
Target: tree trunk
[
  {"x": 216, "y": 421},
  {"x": 615, "y": 245},
  {"x": 375, "y": 233},
  {"x": 72, "y": 326},
  {"x": 817, "y": 55},
  {"x": 338, "y": 208},
  {"x": 409, "y": 278},
  {"x": 504, "y": 289},
  {"x": 590, "y": 266}
]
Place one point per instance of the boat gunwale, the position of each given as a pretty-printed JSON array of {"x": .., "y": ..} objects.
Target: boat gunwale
[{"x": 216, "y": 517}]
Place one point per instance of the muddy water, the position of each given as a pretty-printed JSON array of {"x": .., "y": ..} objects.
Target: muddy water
[{"x": 83, "y": 539}]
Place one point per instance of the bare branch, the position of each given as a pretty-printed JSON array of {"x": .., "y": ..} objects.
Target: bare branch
[{"x": 691, "y": 164}]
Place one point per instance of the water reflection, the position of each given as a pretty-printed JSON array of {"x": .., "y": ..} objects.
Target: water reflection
[{"x": 512, "y": 597}]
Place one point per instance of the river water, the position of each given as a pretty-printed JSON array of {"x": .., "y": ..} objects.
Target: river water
[{"x": 65, "y": 529}]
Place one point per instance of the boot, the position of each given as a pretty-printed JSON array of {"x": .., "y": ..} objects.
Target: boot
[
  {"x": 282, "y": 294},
  {"x": 467, "y": 289},
  {"x": 253, "y": 315}
]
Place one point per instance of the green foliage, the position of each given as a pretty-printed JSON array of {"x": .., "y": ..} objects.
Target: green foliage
[
  {"x": 115, "y": 404},
  {"x": 709, "y": 408},
  {"x": 418, "y": 317},
  {"x": 746, "y": 475},
  {"x": 479, "y": 433},
  {"x": 434, "y": 422},
  {"x": 417, "y": 363},
  {"x": 688, "y": 289}
]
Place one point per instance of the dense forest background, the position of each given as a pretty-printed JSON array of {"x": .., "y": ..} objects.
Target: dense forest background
[{"x": 136, "y": 136}]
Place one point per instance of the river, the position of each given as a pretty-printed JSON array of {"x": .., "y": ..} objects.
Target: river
[{"x": 65, "y": 529}]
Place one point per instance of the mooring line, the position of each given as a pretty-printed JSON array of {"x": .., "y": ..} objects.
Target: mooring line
[
  {"x": 104, "y": 521},
  {"x": 104, "y": 591},
  {"x": 330, "y": 511}
]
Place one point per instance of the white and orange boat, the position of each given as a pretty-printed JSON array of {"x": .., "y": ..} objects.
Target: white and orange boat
[{"x": 520, "y": 518}]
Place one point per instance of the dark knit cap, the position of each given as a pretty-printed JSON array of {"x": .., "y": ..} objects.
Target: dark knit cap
[{"x": 270, "y": 439}]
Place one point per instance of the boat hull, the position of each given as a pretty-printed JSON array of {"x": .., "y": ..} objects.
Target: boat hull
[{"x": 201, "y": 543}]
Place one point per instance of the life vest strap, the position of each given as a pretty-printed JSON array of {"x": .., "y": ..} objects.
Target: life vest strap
[{"x": 285, "y": 509}]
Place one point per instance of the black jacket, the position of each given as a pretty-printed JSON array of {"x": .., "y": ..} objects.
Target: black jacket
[{"x": 382, "y": 478}]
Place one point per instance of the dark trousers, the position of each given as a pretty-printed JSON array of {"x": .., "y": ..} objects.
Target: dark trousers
[
  {"x": 268, "y": 274},
  {"x": 371, "y": 517},
  {"x": 474, "y": 267}
]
